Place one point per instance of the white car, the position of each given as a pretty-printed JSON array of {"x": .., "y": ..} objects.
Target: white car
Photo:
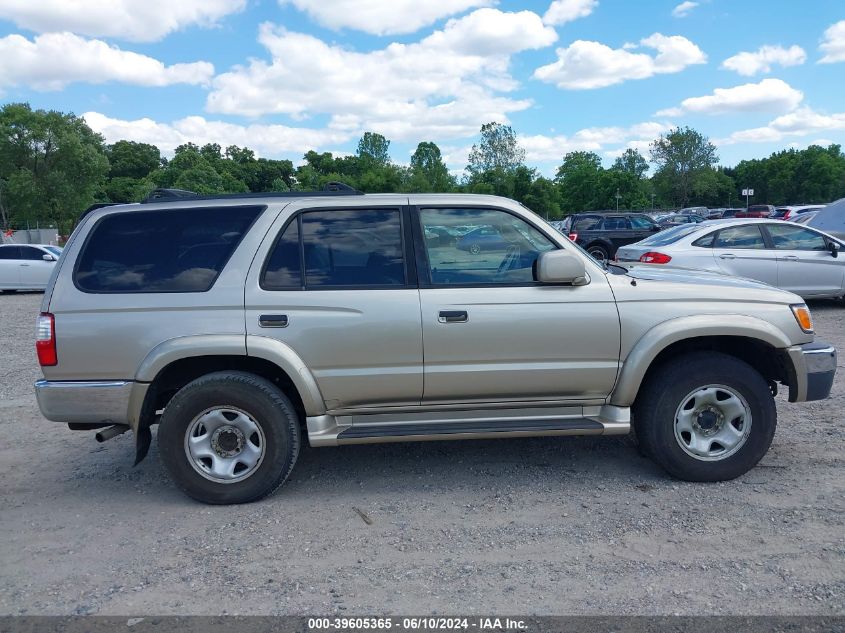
[
  {"x": 783, "y": 254},
  {"x": 27, "y": 266}
]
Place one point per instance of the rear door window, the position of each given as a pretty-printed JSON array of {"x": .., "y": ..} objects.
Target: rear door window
[
  {"x": 354, "y": 248},
  {"x": 747, "y": 236},
  {"x": 10, "y": 252},
  {"x": 172, "y": 250}
]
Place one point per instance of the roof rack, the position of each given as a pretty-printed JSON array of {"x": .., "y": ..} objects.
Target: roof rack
[{"x": 330, "y": 189}]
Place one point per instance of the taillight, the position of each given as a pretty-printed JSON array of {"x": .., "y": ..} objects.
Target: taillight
[
  {"x": 655, "y": 258},
  {"x": 573, "y": 236},
  {"x": 787, "y": 215},
  {"x": 45, "y": 340}
]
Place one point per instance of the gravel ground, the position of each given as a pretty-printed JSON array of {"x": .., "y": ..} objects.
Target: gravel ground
[{"x": 539, "y": 526}]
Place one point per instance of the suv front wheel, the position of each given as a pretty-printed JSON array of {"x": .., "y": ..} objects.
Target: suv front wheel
[
  {"x": 229, "y": 437},
  {"x": 705, "y": 416}
]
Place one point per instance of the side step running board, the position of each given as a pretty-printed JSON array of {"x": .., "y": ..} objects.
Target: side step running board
[
  {"x": 436, "y": 431},
  {"x": 328, "y": 430}
]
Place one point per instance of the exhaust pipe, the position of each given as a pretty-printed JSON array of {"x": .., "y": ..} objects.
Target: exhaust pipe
[{"x": 112, "y": 431}]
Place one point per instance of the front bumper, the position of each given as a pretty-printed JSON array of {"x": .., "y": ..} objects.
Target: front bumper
[
  {"x": 87, "y": 402},
  {"x": 814, "y": 367}
]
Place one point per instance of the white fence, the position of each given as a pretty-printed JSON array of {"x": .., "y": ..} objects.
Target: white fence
[{"x": 31, "y": 236}]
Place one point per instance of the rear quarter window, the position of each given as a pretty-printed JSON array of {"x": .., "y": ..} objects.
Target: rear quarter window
[{"x": 167, "y": 250}]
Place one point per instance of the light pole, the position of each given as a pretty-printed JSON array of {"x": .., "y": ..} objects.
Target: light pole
[
  {"x": 617, "y": 199},
  {"x": 652, "y": 202}
]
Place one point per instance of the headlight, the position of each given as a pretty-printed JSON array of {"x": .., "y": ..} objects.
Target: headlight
[{"x": 802, "y": 315}]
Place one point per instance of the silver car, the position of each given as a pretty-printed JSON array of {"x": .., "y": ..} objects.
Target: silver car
[
  {"x": 27, "y": 266},
  {"x": 782, "y": 254}
]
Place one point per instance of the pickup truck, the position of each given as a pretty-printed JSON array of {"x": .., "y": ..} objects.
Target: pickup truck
[{"x": 239, "y": 325}]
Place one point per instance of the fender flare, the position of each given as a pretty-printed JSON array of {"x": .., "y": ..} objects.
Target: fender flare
[
  {"x": 269, "y": 349},
  {"x": 664, "y": 334}
]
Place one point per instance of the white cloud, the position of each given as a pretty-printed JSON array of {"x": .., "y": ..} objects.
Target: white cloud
[
  {"x": 444, "y": 85},
  {"x": 137, "y": 20},
  {"x": 586, "y": 64},
  {"x": 683, "y": 9},
  {"x": 382, "y": 18},
  {"x": 802, "y": 122},
  {"x": 770, "y": 95},
  {"x": 266, "y": 140},
  {"x": 542, "y": 148},
  {"x": 762, "y": 60},
  {"x": 833, "y": 44},
  {"x": 54, "y": 60},
  {"x": 563, "y": 11}
]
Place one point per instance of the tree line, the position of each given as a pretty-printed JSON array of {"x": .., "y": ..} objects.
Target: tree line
[{"x": 53, "y": 166}]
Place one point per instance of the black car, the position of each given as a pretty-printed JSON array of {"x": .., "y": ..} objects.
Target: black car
[
  {"x": 731, "y": 213},
  {"x": 601, "y": 234}
]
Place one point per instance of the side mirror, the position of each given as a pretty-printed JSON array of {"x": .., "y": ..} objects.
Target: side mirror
[
  {"x": 834, "y": 249},
  {"x": 655, "y": 228},
  {"x": 561, "y": 267},
  {"x": 48, "y": 258}
]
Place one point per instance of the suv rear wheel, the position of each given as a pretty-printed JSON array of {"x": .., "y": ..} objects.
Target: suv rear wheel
[
  {"x": 229, "y": 437},
  {"x": 598, "y": 252},
  {"x": 705, "y": 416}
]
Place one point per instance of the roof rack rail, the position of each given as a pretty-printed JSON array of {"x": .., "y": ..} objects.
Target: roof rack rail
[{"x": 333, "y": 188}]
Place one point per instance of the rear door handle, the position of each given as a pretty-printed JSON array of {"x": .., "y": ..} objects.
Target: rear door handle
[
  {"x": 24, "y": 265},
  {"x": 453, "y": 316},
  {"x": 727, "y": 256},
  {"x": 790, "y": 258},
  {"x": 273, "y": 320}
]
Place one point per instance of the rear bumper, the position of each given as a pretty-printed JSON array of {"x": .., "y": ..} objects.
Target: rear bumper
[
  {"x": 814, "y": 367},
  {"x": 78, "y": 401}
]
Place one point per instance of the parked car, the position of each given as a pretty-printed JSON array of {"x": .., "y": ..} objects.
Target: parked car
[
  {"x": 830, "y": 219},
  {"x": 26, "y": 266},
  {"x": 804, "y": 217},
  {"x": 680, "y": 218},
  {"x": 792, "y": 212},
  {"x": 699, "y": 211},
  {"x": 755, "y": 211},
  {"x": 289, "y": 319},
  {"x": 486, "y": 238},
  {"x": 782, "y": 254},
  {"x": 601, "y": 234},
  {"x": 714, "y": 214},
  {"x": 730, "y": 213}
]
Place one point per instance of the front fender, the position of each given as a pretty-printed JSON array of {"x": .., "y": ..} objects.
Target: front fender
[{"x": 661, "y": 336}]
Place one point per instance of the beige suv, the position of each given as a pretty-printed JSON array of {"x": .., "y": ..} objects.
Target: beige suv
[{"x": 239, "y": 323}]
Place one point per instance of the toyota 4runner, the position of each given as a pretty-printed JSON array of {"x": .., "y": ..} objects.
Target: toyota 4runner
[{"x": 238, "y": 324}]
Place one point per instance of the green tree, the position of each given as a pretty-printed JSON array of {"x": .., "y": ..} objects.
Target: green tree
[
  {"x": 578, "y": 180},
  {"x": 631, "y": 162},
  {"x": 128, "y": 159},
  {"x": 52, "y": 166},
  {"x": 428, "y": 171},
  {"x": 498, "y": 151},
  {"x": 681, "y": 156},
  {"x": 373, "y": 149}
]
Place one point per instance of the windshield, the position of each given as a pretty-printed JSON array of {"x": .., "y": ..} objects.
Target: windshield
[{"x": 670, "y": 236}]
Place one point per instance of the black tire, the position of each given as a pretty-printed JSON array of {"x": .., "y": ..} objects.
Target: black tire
[
  {"x": 662, "y": 395},
  {"x": 599, "y": 252},
  {"x": 261, "y": 400}
]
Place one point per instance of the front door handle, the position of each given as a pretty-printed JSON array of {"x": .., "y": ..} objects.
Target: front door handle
[
  {"x": 453, "y": 316},
  {"x": 790, "y": 258},
  {"x": 273, "y": 320},
  {"x": 727, "y": 256},
  {"x": 24, "y": 265}
]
